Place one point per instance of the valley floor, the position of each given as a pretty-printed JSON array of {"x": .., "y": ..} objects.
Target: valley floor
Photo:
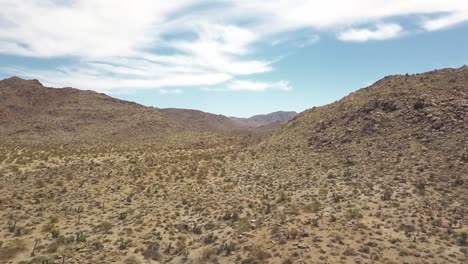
[{"x": 220, "y": 204}]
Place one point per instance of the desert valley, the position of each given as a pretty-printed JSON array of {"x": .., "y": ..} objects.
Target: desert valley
[{"x": 379, "y": 176}]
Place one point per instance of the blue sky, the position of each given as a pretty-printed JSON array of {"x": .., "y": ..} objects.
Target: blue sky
[{"x": 236, "y": 58}]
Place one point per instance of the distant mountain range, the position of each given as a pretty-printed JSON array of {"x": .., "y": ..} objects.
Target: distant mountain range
[{"x": 281, "y": 117}]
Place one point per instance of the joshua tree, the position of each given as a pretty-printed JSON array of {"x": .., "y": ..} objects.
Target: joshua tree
[{"x": 36, "y": 241}]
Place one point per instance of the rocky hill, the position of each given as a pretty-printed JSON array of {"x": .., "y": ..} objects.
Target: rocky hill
[
  {"x": 386, "y": 166},
  {"x": 429, "y": 110}
]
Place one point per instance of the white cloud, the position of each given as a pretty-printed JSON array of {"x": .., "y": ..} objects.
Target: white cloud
[
  {"x": 173, "y": 91},
  {"x": 444, "y": 22},
  {"x": 280, "y": 16},
  {"x": 94, "y": 79},
  {"x": 257, "y": 86},
  {"x": 84, "y": 28},
  {"x": 143, "y": 44},
  {"x": 381, "y": 32}
]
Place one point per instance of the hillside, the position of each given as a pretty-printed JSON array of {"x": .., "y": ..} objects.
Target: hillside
[
  {"x": 30, "y": 112},
  {"x": 33, "y": 113},
  {"x": 199, "y": 120},
  {"x": 279, "y": 117},
  {"x": 424, "y": 107},
  {"x": 388, "y": 166},
  {"x": 377, "y": 177}
]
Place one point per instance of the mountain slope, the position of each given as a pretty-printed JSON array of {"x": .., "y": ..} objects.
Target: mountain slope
[
  {"x": 279, "y": 117},
  {"x": 30, "y": 112},
  {"x": 385, "y": 168},
  {"x": 430, "y": 107},
  {"x": 199, "y": 120},
  {"x": 34, "y": 113}
]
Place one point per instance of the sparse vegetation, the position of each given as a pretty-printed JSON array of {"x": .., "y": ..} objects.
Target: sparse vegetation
[{"x": 365, "y": 179}]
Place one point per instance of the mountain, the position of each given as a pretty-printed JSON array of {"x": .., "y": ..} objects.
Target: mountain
[
  {"x": 30, "y": 112},
  {"x": 429, "y": 108},
  {"x": 280, "y": 117},
  {"x": 384, "y": 169},
  {"x": 199, "y": 120}
]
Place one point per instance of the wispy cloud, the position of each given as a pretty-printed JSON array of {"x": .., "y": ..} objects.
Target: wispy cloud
[
  {"x": 257, "y": 86},
  {"x": 446, "y": 21},
  {"x": 144, "y": 44},
  {"x": 381, "y": 32}
]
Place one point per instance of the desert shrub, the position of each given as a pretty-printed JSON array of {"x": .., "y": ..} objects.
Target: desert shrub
[
  {"x": 227, "y": 247},
  {"x": 349, "y": 252},
  {"x": 293, "y": 233},
  {"x": 80, "y": 237},
  {"x": 209, "y": 226},
  {"x": 12, "y": 226},
  {"x": 132, "y": 260},
  {"x": 123, "y": 216},
  {"x": 234, "y": 216},
  {"x": 419, "y": 104},
  {"x": 259, "y": 254},
  {"x": 313, "y": 207},
  {"x": 353, "y": 214},
  {"x": 464, "y": 156},
  {"x": 387, "y": 195},
  {"x": 124, "y": 243},
  {"x": 337, "y": 238},
  {"x": 314, "y": 222},
  {"x": 248, "y": 260},
  {"x": 283, "y": 197},
  {"x": 152, "y": 252},
  {"x": 55, "y": 233},
  {"x": 20, "y": 231},
  {"x": 462, "y": 240},
  {"x": 210, "y": 238},
  {"x": 421, "y": 186},
  {"x": 197, "y": 230}
]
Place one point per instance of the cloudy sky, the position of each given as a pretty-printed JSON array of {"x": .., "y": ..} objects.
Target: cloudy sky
[{"x": 233, "y": 57}]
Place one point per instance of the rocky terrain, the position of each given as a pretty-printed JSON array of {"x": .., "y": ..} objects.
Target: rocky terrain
[{"x": 377, "y": 177}]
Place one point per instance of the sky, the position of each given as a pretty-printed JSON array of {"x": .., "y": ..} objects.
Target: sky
[{"x": 237, "y": 58}]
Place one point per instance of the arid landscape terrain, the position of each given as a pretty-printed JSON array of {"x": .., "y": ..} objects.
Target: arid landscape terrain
[{"x": 379, "y": 176}]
